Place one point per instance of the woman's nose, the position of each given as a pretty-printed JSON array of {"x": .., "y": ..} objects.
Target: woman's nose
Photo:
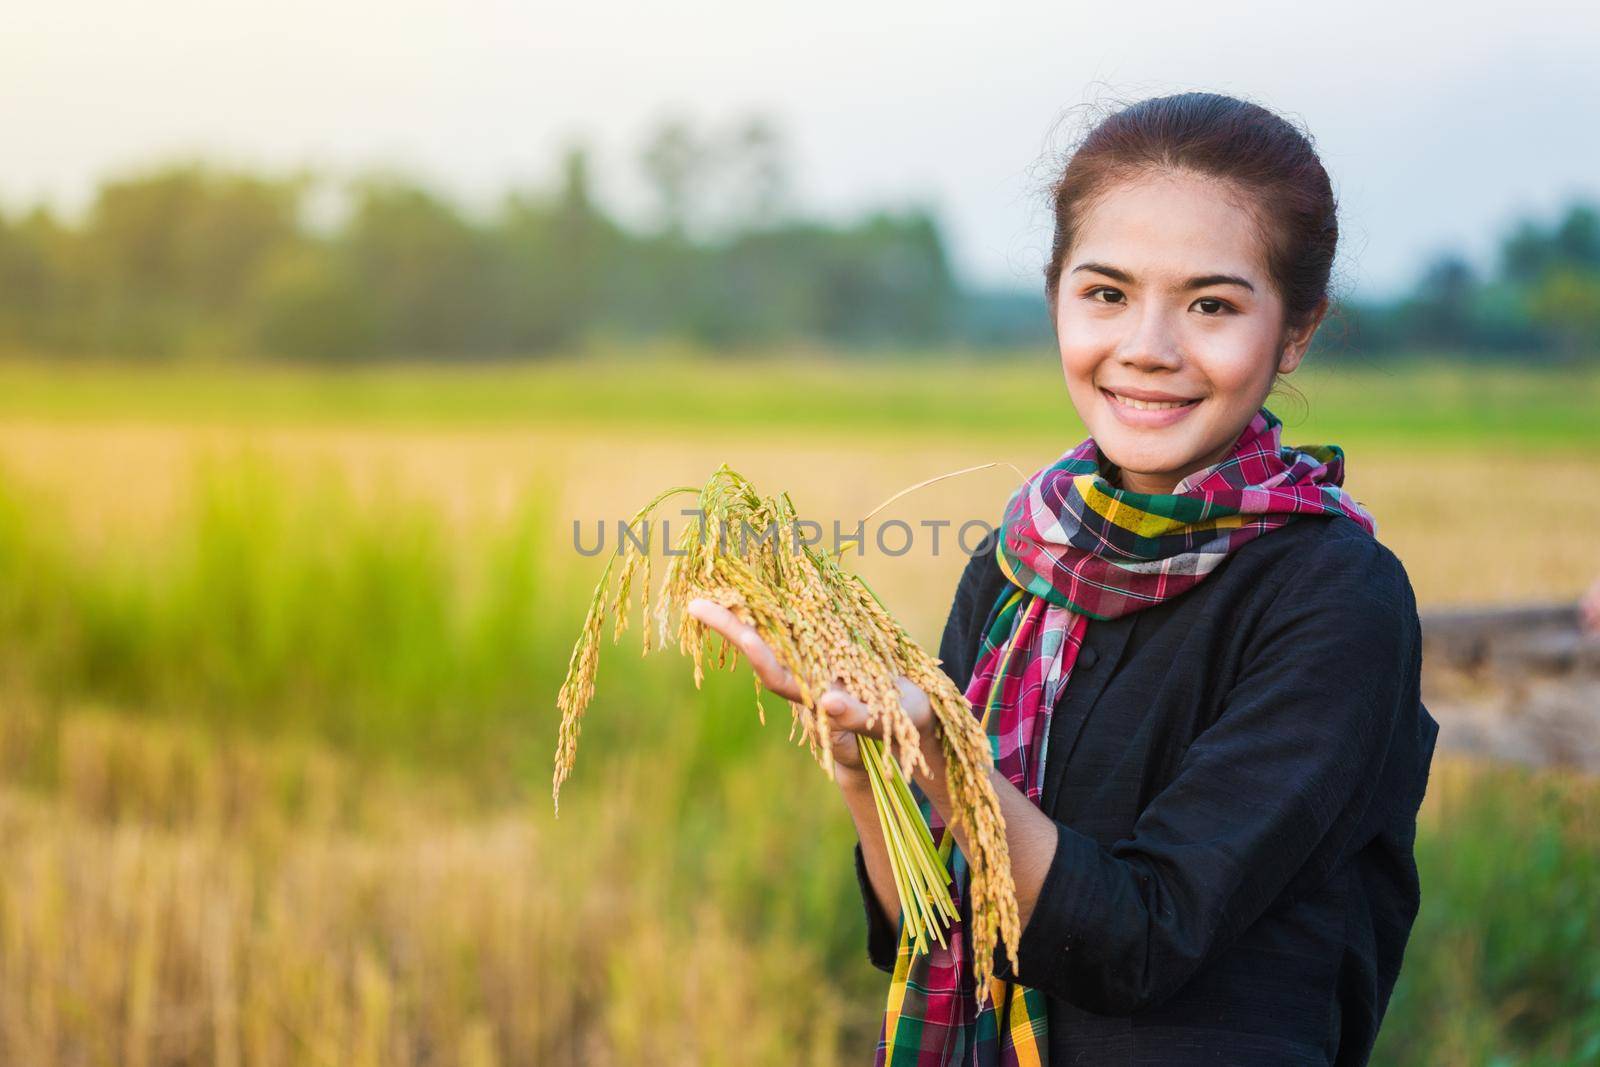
[{"x": 1153, "y": 342}]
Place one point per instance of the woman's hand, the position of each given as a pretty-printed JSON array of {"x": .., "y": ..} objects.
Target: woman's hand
[{"x": 847, "y": 716}]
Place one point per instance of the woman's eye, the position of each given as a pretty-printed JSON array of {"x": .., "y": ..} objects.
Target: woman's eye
[
  {"x": 1096, "y": 292},
  {"x": 1217, "y": 306}
]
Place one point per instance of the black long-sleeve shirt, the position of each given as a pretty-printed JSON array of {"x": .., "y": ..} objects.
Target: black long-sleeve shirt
[{"x": 1234, "y": 777}]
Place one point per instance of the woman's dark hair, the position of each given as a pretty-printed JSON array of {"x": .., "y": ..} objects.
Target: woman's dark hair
[{"x": 1269, "y": 162}]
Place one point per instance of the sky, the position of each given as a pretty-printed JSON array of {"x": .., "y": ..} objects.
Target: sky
[{"x": 1440, "y": 125}]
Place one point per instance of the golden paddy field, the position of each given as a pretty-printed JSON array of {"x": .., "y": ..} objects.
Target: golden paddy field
[{"x": 280, "y": 660}]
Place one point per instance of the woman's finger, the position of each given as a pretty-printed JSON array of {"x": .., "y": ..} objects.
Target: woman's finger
[
  {"x": 848, "y": 713},
  {"x": 742, "y": 635},
  {"x": 915, "y": 701},
  {"x": 845, "y": 712}
]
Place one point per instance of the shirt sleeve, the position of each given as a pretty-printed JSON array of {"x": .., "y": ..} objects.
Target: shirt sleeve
[
  {"x": 1268, "y": 800},
  {"x": 883, "y": 936}
]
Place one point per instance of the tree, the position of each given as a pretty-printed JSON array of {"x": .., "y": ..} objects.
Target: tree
[
  {"x": 753, "y": 159},
  {"x": 1567, "y": 302},
  {"x": 1532, "y": 250},
  {"x": 675, "y": 163},
  {"x": 1441, "y": 308},
  {"x": 424, "y": 267},
  {"x": 309, "y": 305},
  {"x": 191, "y": 235},
  {"x": 170, "y": 257},
  {"x": 36, "y": 287},
  {"x": 552, "y": 261},
  {"x": 1577, "y": 238}
]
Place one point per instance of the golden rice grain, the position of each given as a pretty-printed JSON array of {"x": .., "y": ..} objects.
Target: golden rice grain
[{"x": 827, "y": 627}]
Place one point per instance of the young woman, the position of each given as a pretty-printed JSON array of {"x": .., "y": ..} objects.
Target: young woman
[{"x": 1198, "y": 666}]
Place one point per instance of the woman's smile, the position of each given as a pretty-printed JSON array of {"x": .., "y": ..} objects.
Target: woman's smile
[{"x": 1147, "y": 414}]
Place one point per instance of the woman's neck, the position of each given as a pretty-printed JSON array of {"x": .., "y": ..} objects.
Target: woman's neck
[
  {"x": 1118, "y": 480},
  {"x": 1154, "y": 487}
]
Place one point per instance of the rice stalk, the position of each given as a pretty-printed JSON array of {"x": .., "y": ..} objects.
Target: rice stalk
[{"x": 828, "y": 627}]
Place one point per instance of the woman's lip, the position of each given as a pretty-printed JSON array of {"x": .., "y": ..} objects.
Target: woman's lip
[{"x": 1146, "y": 419}]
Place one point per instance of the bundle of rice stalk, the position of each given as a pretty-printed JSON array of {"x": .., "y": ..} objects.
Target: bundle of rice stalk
[{"x": 826, "y": 626}]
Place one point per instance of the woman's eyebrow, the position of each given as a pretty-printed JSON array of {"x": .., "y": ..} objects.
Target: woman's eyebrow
[{"x": 1200, "y": 282}]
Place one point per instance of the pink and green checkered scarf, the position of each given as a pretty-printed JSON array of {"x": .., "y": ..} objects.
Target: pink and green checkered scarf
[{"x": 1075, "y": 548}]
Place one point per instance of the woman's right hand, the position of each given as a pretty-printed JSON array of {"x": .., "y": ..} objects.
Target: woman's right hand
[{"x": 847, "y": 766}]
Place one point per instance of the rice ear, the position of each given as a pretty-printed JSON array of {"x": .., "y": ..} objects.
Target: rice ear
[{"x": 825, "y": 626}]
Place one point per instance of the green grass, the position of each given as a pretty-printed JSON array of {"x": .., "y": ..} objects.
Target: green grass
[
  {"x": 1428, "y": 401},
  {"x": 302, "y": 613},
  {"x": 1503, "y": 966}
]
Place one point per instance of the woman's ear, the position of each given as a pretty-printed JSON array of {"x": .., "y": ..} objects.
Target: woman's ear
[{"x": 1297, "y": 341}]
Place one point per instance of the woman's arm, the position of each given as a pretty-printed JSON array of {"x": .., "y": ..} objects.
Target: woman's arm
[{"x": 878, "y": 889}]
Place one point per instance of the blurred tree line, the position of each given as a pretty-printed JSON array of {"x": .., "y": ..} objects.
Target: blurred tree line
[
  {"x": 1540, "y": 298},
  {"x": 191, "y": 258},
  {"x": 195, "y": 259}
]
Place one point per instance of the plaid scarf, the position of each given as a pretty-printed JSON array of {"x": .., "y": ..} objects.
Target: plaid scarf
[{"x": 1076, "y": 548}]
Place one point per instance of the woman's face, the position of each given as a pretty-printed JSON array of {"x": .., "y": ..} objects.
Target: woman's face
[{"x": 1165, "y": 297}]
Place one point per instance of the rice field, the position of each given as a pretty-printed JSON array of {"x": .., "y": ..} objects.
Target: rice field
[{"x": 278, "y": 662}]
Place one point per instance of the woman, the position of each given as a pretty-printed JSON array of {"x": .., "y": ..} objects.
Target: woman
[{"x": 1199, "y": 668}]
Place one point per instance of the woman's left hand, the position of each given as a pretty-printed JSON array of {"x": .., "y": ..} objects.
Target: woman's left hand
[{"x": 844, "y": 711}]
